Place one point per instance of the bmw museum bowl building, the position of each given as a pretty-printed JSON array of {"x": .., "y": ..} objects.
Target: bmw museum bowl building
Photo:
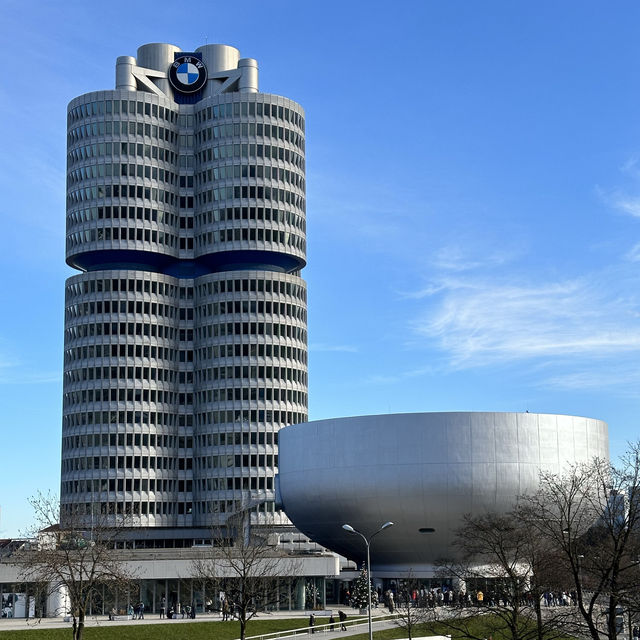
[{"x": 421, "y": 471}]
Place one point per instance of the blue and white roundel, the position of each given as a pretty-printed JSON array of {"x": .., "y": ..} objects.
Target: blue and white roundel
[{"x": 187, "y": 73}]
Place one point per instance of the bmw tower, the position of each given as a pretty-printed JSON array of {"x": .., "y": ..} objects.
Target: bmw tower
[{"x": 185, "y": 345}]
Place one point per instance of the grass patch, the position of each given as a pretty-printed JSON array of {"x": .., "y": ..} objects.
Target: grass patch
[
  {"x": 484, "y": 626},
  {"x": 426, "y": 629},
  {"x": 209, "y": 630}
]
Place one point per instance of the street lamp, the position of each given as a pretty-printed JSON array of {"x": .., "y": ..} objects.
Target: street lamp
[{"x": 367, "y": 541}]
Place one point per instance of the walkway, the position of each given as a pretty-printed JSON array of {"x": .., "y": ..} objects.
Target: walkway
[{"x": 355, "y": 623}]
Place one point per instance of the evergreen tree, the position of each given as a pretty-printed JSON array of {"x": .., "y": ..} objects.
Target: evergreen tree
[{"x": 360, "y": 593}]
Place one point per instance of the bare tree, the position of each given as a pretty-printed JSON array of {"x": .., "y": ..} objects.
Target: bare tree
[
  {"x": 245, "y": 564},
  {"x": 411, "y": 610},
  {"x": 500, "y": 559},
  {"x": 71, "y": 560},
  {"x": 591, "y": 516}
]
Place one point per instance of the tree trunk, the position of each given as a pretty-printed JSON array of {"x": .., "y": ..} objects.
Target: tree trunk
[
  {"x": 78, "y": 628},
  {"x": 611, "y": 618},
  {"x": 538, "y": 607}
]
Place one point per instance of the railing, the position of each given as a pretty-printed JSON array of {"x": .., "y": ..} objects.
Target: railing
[{"x": 349, "y": 623}]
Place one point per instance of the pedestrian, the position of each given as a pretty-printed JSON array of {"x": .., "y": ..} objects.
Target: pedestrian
[
  {"x": 342, "y": 617},
  {"x": 312, "y": 621},
  {"x": 163, "y": 608},
  {"x": 332, "y": 622},
  {"x": 193, "y": 610},
  {"x": 141, "y": 610}
]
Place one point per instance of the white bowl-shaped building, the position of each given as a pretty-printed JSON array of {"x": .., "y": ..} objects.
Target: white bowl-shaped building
[{"x": 423, "y": 472}]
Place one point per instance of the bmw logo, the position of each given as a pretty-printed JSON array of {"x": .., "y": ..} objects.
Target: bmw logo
[{"x": 188, "y": 74}]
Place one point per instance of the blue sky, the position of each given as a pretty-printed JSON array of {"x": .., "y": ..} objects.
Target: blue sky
[{"x": 473, "y": 173}]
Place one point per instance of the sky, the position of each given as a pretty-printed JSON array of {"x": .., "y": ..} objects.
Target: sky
[{"x": 473, "y": 201}]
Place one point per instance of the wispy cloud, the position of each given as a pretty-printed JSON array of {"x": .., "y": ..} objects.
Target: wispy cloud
[
  {"x": 627, "y": 204},
  {"x": 477, "y": 322},
  {"x": 631, "y": 166},
  {"x": 620, "y": 199},
  {"x": 634, "y": 253},
  {"x": 623, "y": 377},
  {"x": 456, "y": 258},
  {"x": 485, "y": 307}
]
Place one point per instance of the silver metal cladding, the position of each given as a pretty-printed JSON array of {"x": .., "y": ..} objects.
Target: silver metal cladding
[{"x": 422, "y": 471}]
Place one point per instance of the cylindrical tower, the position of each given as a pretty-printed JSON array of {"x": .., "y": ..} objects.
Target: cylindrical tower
[{"x": 185, "y": 332}]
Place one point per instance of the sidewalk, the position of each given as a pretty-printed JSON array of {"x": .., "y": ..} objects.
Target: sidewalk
[{"x": 20, "y": 624}]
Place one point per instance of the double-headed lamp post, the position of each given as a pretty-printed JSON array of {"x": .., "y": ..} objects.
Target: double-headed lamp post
[{"x": 367, "y": 541}]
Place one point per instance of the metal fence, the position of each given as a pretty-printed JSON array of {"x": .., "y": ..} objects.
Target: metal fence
[{"x": 350, "y": 623}]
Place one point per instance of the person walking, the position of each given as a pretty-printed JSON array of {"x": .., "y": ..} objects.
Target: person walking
[
  {"x": 332, "y": 622},
  {"x": 163, "y": 608},
  {"x": 342, "y": 617},
  {"x": 312, "y": 622}
]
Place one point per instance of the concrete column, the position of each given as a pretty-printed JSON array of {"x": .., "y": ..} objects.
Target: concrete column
[
  {"x": 300, "y": 599},
  {"x": 158, "y": 56},
  {"x": 58, "y": 603},
  {"x": 249, "y": 78},
  {"x": 124, "y": 75}
]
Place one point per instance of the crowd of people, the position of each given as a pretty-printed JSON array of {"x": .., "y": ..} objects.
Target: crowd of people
[
  {"x": 448, "y": 597},
  {"x": 559, "y": 598},
  {"x": 178, "y": 610},
  {"x": 174, "y": 611},
  {"x": 391, "y": 598},
  {"x": 134, "y": 611}
]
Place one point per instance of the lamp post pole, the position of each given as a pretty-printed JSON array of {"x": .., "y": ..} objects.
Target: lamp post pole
[{"x": 367, "y": 542}]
